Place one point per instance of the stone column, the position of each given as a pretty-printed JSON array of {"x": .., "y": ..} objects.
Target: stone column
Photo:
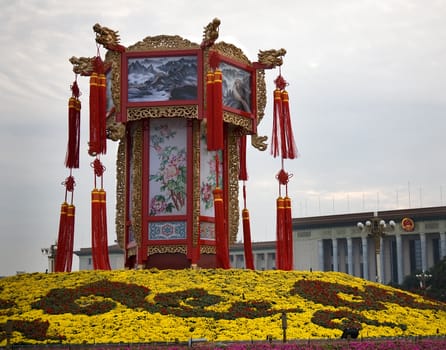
[
  {"x": 349, "y": 256},
  {"x": 423, "y": 252},
  {"x": 365, "y": 258},
  {"x": 399, "y": 258},
  {"x": 320, "y": 248},
  {"x": 442, "y": 245},
  {"x": 335, "y": 254}
]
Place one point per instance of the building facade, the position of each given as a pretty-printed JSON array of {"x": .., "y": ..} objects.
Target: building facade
[
  {"x": 115, "y": 255},
  {"x": 264, "y": 254},
  {"x": 336, "y": 243}
]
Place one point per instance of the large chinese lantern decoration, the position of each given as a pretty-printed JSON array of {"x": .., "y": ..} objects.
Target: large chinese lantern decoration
[{"x": 181, "y": 112}]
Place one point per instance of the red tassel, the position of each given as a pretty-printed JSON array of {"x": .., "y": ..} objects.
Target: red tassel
[
  {"x": 214, "y": 111},
  {"x": 282, "y": 123},
  {"x": 221, "y": 236},
  {"x": 99, "y": 222},
  {"x": 218, "y": 109},
  {"x": 102, "y": 101},
  {"x": 59, "y": 265},
  {"x": 97, "y": 144},
  {"x": 249, "y": 260},
  {"x": 74, "y": 117},
  {"x": 64, "y": 253},
  {"x": 69, "y": 237},
  {"x": 243, "y": 172},
  {"x": 288, "y": 233},
  {"x": 210, "y": 110},
  {"x": 280, "y": 234},
  {"x": 277, "y": 112},
  {"x": 99, "y": 231},
  {"x": 290, "y": 149}
]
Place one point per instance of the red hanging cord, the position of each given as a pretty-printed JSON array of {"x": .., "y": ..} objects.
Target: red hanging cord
[{"x": 249, "y": 260}]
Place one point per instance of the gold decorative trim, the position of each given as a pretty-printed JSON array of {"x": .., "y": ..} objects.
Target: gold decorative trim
[
  {"x": 113, "y": 59},
  {"x": 121, "y": 194},
  {"x": 162, "y": 249},
  {"x": 233, "y": 190},
  {"x": 136, "y": 172},
  {"x": 207, "y": 249},
  {"x": 187, "y": 111},
  {"x": 235, "y": 119},
  {"x": 163, "y": 42},
  {"x": 261, "y": 95},
  {"x": 231, "y": 51},
  {"x": 196, "y": 133}
]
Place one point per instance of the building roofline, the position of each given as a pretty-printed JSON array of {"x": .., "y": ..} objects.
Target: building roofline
[
  {"x": 112, "y": 249},
  {"x": 429, "y": 213}
]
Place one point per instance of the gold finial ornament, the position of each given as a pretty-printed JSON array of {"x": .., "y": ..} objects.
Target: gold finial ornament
[
  {"x": 82, "y": 65},
  {"x": 259, "y": 142},
  {"x": 108, "y": 38},
  {"x": 210, "y": 33},
  {"x": 271, "y": 58}
]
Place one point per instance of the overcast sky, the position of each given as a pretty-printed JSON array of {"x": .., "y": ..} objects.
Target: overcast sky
[{"x": 368, "y": 101}]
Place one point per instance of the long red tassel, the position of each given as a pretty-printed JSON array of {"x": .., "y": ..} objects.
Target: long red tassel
[
  {"x": 105, "y": 262},
  {"x": 280, "y": 234},
  {"x": 249, "y": 260},
  {"x": 291, "y": 148},
  {"x": 74, "y": 118},
  {"x": 98, "y": 140},
  {"x": 221, "y": 237},
  {"x": 280, "y": 249},
  {"x": 243, "y": 171},
  {"x": 102, "y": 101},
  {"x": 64, "y": 254},
  {"x": 99, "y": 223},
  {"x": 69, "y": 237},
  {"x": 288, "y": 234},
  {"x": 60, "y": 254},
  {"x": 93, "y": 144},
  {"x": 277, "y": 112},
  {"x": 210, "y": 110},
  {"x": 218, "y": 110}
]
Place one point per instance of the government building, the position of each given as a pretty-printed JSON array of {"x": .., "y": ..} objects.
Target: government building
[{"x": 409, "y": 241}]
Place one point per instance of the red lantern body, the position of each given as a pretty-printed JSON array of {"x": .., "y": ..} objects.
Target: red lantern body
[{"x": 181, "y": 143}]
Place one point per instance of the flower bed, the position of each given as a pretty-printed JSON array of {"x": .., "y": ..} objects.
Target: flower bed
[{"x": 217, "y": 305}]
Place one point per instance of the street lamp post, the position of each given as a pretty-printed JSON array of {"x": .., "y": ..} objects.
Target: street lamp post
[
  {"x": 377, "y": 228},
  {"x": 51, "y": 254},
  {"x": 423, "y": 277}
]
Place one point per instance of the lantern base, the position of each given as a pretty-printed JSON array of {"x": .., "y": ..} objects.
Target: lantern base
[{"x": 177, "y": 261}]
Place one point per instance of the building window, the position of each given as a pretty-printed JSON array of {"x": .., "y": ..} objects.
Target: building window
[
  {"x": 436, "y": 250},
  {"x": 415, "y": 255}
]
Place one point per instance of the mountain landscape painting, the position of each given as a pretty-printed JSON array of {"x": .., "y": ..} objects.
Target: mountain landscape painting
[{"x": 166, "y": 78}]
